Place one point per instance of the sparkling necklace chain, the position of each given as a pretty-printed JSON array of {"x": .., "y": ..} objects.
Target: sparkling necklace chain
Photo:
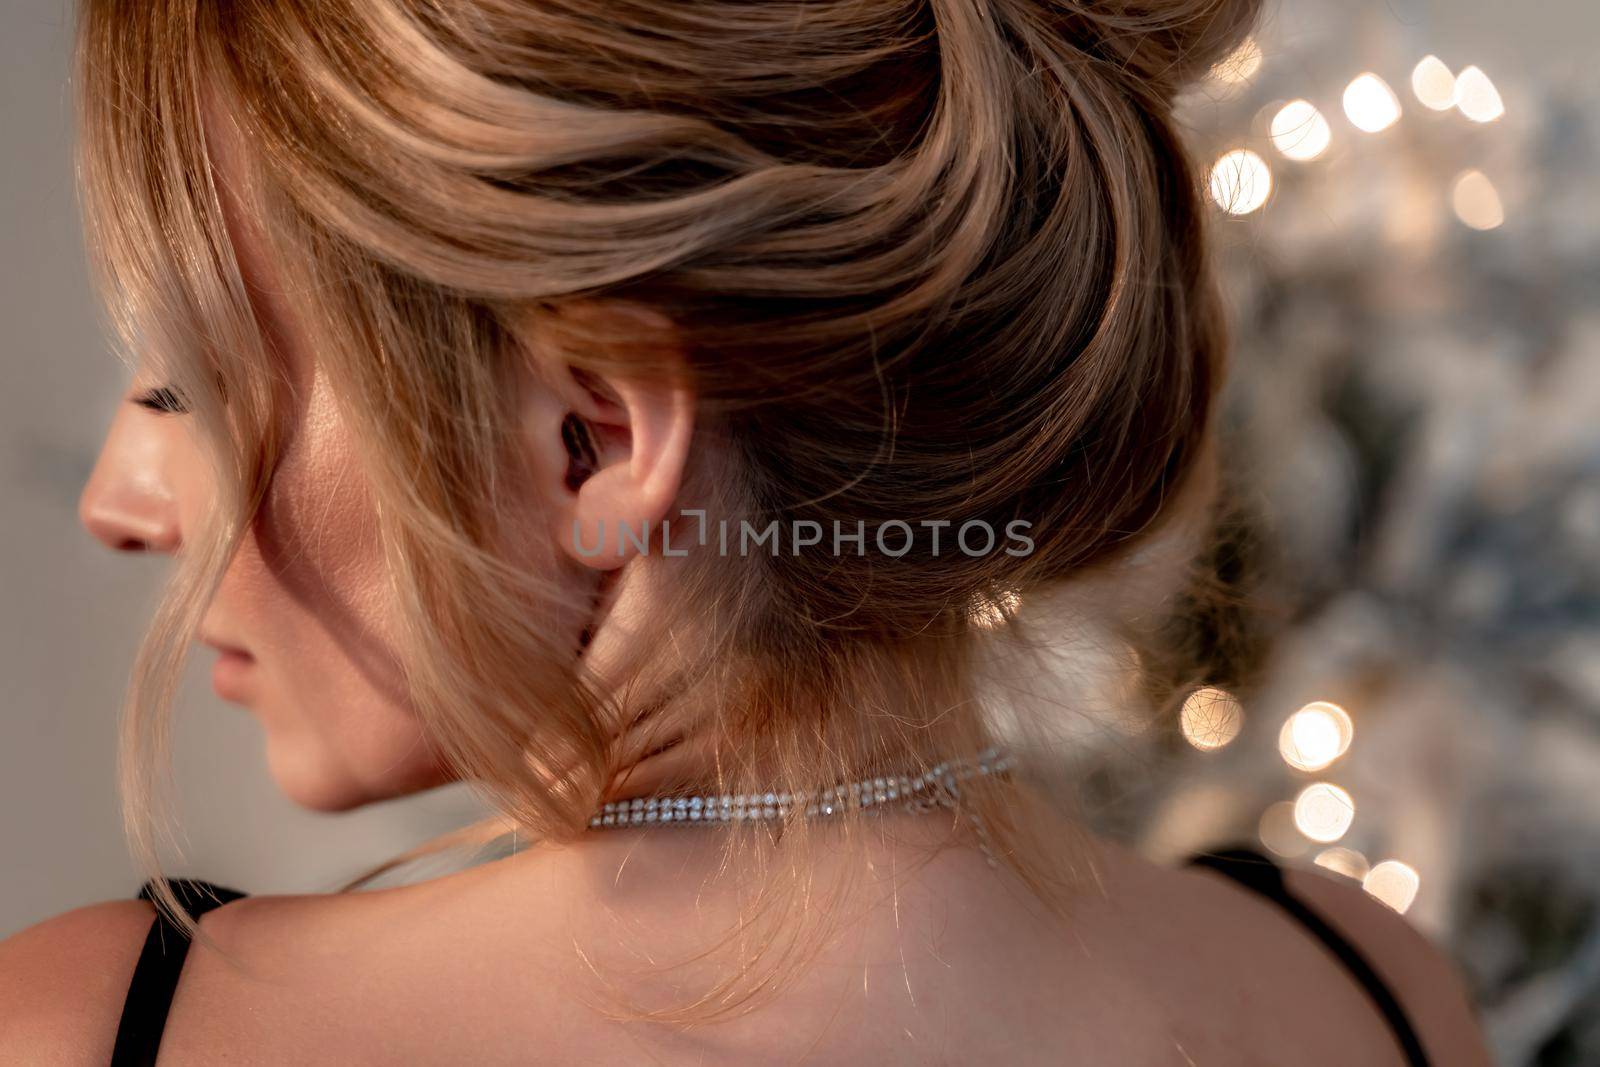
[{"x": 938, "y": 787}]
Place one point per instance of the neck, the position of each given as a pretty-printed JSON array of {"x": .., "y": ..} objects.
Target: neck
[{"x": 674, "y": 746}]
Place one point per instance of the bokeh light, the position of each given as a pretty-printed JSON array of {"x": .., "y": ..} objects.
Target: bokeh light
[
  {"x": 1370, "y": 104},
  {"x": 1315, "y": 736},
  {"x": 1299, "y": 131},
  {"x": 1241, "y": 181},
  {"x": 1240, "y": 65},
  {"x": 1210, "y": 718},
  {"x": 1394, "y": 883},
  {"x": 1477, "y": 97},
  {"x": 990, "y": 613},
  {"x": 1323, "y": 812},
  {"x": 1475, "y": 200},
  {"x": 1434, "y": 84},
  {"x": 1279, "y": 833},
  {"x": 1345, "y": 861}
]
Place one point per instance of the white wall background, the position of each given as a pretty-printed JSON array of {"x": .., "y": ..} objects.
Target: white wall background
[{"x": 71, "y": 610}]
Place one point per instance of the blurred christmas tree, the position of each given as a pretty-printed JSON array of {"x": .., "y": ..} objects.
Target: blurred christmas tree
[{"x": 1412, "y": 252}]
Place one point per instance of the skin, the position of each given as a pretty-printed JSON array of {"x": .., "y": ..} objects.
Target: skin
[{"x": 949, "y": 962}]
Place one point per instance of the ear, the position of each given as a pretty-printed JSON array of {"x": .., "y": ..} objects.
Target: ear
[{"x": 611, "y": 447}]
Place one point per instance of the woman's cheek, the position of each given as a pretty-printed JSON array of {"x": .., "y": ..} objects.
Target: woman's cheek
[{"x": 313, "y": 576}]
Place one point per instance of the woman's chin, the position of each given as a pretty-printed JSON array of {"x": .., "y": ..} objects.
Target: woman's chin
[
  {"x": 310, "y": 783},
  {"x": 314, "y": 781}
]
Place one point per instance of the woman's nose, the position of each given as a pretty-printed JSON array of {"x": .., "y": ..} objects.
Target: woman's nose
[{"x": 128, "y": 503}]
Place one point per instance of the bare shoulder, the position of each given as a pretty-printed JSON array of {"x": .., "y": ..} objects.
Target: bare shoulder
[
  {"x": 546, "y": 948},
  {"x": 1427, "y": 983},
  {"x": 63, "y": 981}
]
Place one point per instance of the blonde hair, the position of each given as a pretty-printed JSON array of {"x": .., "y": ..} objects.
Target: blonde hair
[{"x": 939, "y": 258}]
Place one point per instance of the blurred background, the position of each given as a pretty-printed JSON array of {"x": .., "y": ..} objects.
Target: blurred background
[
  {"x": 1409, "y": 222},
  {"x": 1409, "y": 226}
]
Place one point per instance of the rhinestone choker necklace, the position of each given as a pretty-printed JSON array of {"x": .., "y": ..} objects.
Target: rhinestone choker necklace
[{"x": 938, "y": 787}]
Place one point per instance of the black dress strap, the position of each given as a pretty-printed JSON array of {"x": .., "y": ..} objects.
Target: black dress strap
[
  {"x": 1259, "y": 873},
  {"x": 155, "y": 978}
]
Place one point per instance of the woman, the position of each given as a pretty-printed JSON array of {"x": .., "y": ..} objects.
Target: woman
[{"x": 700, "y": 413}]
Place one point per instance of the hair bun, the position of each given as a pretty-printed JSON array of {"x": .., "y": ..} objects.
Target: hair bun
[{"x": 1165, "y": 45}]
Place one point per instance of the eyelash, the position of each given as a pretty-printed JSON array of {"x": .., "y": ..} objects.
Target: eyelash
[{"x": 163, "y": 400}]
